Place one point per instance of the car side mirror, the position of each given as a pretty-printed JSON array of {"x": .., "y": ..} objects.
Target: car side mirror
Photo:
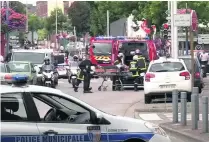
[{"x": 99, "y": 118}]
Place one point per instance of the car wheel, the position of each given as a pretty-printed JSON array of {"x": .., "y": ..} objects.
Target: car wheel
[{"x": 147, "y": 99}]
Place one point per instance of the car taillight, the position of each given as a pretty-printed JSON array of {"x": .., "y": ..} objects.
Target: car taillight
[
  {"x": 197, "y": 75},
  {"x": 185, "y": 74},
  {"x": 148, "y": 76}
]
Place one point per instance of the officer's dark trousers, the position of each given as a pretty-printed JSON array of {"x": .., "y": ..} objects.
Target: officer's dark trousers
[{"x": 87, "y": 78}]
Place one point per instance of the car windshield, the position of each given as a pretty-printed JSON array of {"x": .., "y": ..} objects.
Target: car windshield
[
  {"x": 102, "y": 48},
  {"x": 33, "y": 57},
  {"x": 134, "y": 45},
  {"x": 167, "y": 67},
  {"x": 19, "y": 67},
  {"x": 3, "y": 69}
]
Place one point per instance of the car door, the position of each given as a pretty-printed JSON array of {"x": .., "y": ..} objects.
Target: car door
[
  {"x": 85, "y": 131},
  {"x": 17, "y": 124}
]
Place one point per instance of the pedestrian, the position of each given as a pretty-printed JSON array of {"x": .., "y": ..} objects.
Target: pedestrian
[
  {"x": 85, "y": 67},
  {"x": 9, "y": 55},
  {"x": 204, "y": 58}
]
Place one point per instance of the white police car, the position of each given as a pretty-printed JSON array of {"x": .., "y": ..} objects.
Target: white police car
[{"x": 40, "y": 114}]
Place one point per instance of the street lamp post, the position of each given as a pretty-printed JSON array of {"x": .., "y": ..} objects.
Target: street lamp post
[
  {"x": 56, "y": 26},
  {"x": 7, "y": 21}
]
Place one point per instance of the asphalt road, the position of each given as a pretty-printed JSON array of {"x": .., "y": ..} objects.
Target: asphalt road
[{"x": 118, "y": 102}]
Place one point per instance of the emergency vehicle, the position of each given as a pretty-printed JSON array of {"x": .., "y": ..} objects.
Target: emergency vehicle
[
  {"x": 128, "y": 46},
  {"x": 62, "y": 64},
  {"x": 105, "y": 51},
  {"x": 32, "y": 113}
]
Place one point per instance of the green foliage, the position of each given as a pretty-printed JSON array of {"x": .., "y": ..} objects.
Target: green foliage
[
  {"x": 117, "y": 10},
  {"x": 34, "y": 22},
  {"x": 42, "y": 34},
  {"x": 17, "y": 7},
  {"x": 79, "y": 13},
  {"x": 50, "y": 24}
]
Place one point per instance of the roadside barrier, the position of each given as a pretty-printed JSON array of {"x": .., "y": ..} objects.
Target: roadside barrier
[{"x": 194, "y": 109}]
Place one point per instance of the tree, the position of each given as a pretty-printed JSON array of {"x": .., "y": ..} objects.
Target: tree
[
  {"x": 17, "y": 7},
  {"x": 34, "y": 24},
  {"x": 16, "y": 21},
  {"x": 42, "y": 34},
  {"x": 116, "y": 9},
  {"x": 51, "y": 21},
  {"x": 79, "y": 13}
]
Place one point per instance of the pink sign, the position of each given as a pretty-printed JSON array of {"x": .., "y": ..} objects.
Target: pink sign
[{"x": 193, "y": 16}]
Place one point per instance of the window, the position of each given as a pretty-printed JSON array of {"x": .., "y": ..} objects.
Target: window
[
  {"x": 19, "y": 67},
  {"x": 33, "y": 57},
  {"x": 65, "y": 109},
  {"x": 12, "y": 107},
  {"x": 102, "y": 48},
  {"x": 3, "y": 69},
  {"x": 142, "y": 46},
  {"x": 42, "y": 107},
  {"x": 167, "y": 67}
]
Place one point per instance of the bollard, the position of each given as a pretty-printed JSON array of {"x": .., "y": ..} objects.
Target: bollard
[
  {"x": 194, "y": 112},
  {"x": 195, "y": 90},
  {"x": 183, "y": 108},
  {"x": 205, "y": 114},
  {"x": 175, "y": 105}
]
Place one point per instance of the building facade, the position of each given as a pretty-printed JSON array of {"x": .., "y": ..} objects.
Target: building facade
[{"x": 42, "y": 8}]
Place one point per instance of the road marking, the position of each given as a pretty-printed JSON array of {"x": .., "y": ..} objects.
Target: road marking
[
  {"x": 189, "y": 116},
  {"x": 150, "y": 117}
]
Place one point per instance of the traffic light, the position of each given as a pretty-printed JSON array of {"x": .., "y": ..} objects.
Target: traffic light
[{"x": 166, "y": 31}]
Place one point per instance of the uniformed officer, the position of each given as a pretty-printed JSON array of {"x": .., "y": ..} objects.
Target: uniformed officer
[
  {"x": 137, "y": 66},
  {"x": 84, "y": 74}
]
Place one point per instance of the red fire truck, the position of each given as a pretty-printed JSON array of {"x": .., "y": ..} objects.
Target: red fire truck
[{"x": 105, "y": 50}]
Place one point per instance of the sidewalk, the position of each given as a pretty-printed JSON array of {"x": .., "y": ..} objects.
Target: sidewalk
[
  {"x": 161, "y": 114},
  {"x": 186, "y": 131}
]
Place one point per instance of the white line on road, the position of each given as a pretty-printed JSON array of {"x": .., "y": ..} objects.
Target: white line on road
[{"x": 150, "y": 117}]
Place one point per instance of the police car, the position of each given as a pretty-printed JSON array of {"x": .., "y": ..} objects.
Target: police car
[{"x": 40, "y": 114}]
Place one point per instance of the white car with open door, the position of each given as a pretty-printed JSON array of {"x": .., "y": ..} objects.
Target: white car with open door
[{"x": 165, "y": 75}]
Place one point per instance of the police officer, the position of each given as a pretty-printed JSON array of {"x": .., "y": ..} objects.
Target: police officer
[{"x": 84, "y": 74}]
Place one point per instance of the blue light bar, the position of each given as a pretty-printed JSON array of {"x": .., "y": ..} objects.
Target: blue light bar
[
  {"x": 19, "y": 79},
  {"x": 105, "y": 38}
]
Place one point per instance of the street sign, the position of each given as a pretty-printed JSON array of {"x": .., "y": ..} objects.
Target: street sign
[
  {"x": 203, "y": 38},
  {"x": 182, "y": 20},
  {"x": 198, "y": 47}
]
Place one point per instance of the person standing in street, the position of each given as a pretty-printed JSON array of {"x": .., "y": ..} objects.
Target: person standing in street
[
  {"x": 85, "y": 67},
  {"x": 204, "y": 58}
]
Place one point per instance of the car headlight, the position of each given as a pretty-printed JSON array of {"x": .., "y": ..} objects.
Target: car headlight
[{"x": 155, "y": 129}]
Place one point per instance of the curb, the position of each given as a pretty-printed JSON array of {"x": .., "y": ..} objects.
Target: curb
[
  {"x": 153, "y": 110},
  {"x": 180, "y": 134}
]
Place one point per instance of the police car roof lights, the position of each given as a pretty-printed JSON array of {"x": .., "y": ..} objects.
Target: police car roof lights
[
  {"x": 17, "y": 79},
  {"x": 132, "y": 38},
  {"x": 105, "y": 38}
]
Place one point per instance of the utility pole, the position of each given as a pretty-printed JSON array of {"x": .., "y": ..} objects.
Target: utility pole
[
  {"x": 174, "y": 31},
  {"x": 108, "y": 23},
  {"x": 26, "y": 26},
  {"x": 74, "y": 33},
  {"x": 7, "y": 20},
  {"x": 56, "y": 27},
  {"x": 187, "y": 36}
]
